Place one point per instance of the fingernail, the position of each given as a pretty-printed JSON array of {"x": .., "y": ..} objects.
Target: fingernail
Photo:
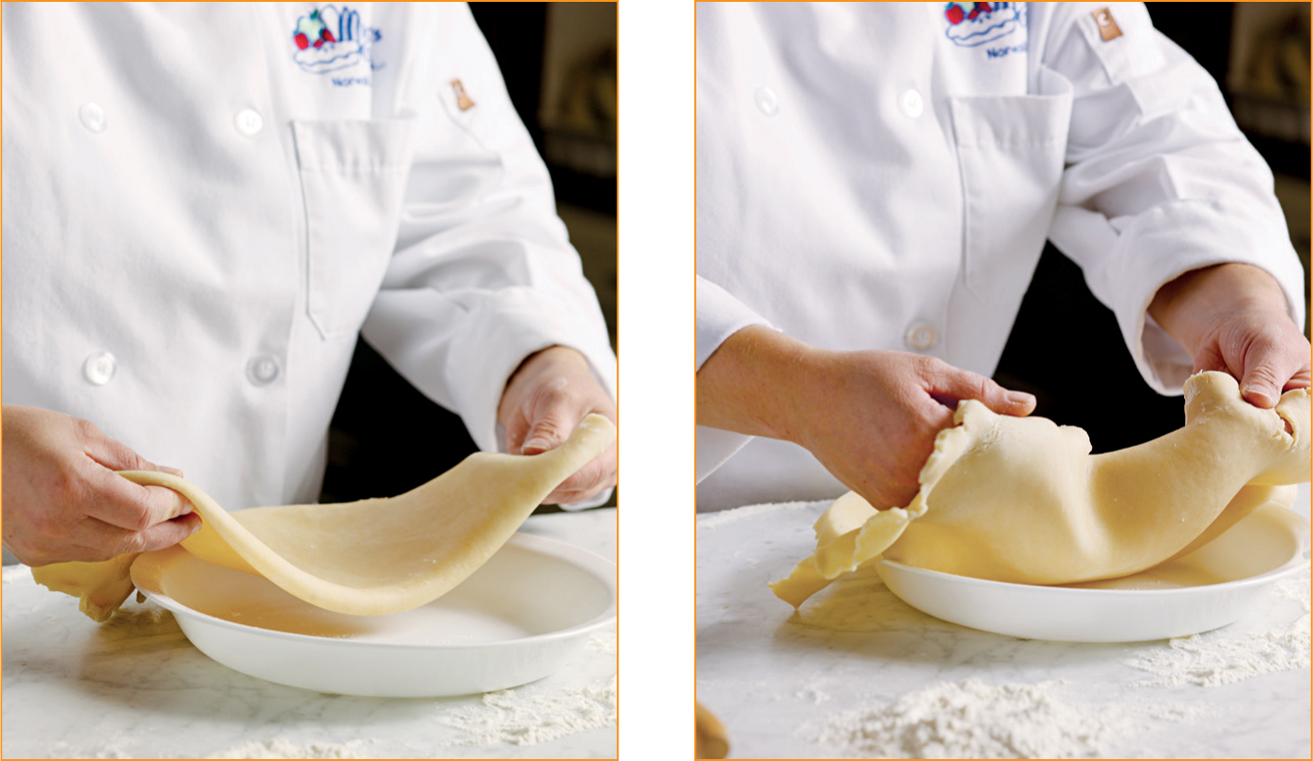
[
  {"x": 1257, "y": 395},
  {"x": 171, "y": 471},
  {"x": 1019, "y": 397},
  {"x": 535, "y": 445}
]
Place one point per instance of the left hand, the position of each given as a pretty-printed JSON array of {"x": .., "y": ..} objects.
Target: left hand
[
  {"x": 545, "y": 399},
  {"x": 1232, "y": 318}
]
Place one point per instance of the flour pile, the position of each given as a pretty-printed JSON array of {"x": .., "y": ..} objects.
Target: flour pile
[
  {"x": 970, "y": 719},
  {"x": 506, "y": 717},
  {"x": 280, "y": 748},
  {"x": 1224, "y": 656},
  {"x": 17, "y": 573}
]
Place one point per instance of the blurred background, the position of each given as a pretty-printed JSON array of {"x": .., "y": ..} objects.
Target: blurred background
[
  {"x": 1066, "y": 347},
  {"x": 559, "y": 63}
]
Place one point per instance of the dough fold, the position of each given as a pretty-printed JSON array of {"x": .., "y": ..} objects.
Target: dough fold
[
  {"x": 1022, "y": 500},
  {"x": 370, "y": 557}
]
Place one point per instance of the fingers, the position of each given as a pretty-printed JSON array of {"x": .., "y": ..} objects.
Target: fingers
[
  {"x": 949, "y": 384},
  {"x": 110, "y": 453},
  {"x": 591, "y": 479},
  {"x": 133, "y": 507},
  {"x": 1267, "y": 356}
]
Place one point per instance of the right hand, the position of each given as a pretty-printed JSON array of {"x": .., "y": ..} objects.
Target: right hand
[
  {"x": 63, "y": 501},
  {"x": 873, "y": 417},
  {"x": 870, "y": 417}
]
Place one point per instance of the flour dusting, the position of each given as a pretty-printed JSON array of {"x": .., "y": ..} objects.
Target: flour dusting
[
  {"x": 1226, "y": 656},
  {"x": 280, "y": 748},
  {"x": 1221, "y": 657},
  {"x": 15, "y": 573},
  {"x": 603, "y": 642},
  {"x": 714, "y": 520},
  {"x": 1296, "y": 589},
  {"x": 970, "y": 719},
  {"x": 515, "y": 719}
]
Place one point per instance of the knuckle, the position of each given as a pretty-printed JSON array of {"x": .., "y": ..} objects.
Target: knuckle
[{"x": 133, "y": 542}]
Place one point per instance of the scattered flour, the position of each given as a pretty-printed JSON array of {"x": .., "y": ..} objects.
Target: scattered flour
[
  {"x": 506, "y": 717},
  {"x": 1221, "y": 657},
  {"x": 280, "y": 748},
  {"x": 713, "y": 520},
  {"x": 1296, "y": 589},
  {"x": 603, "y": 642},
  {"x": 970, "y": 719},
  {"x": 1224, "y": 656},
  {"x": 14, "y": 573}
]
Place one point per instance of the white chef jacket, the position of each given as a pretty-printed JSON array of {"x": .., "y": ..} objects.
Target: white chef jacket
[
  {"x": 881, "y": 176},
  {"x": 202, "y": 209}
]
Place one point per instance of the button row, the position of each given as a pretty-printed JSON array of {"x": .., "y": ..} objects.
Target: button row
[
  {"x": 247, "y": 121},
  {"x": 261, "y": 370}
]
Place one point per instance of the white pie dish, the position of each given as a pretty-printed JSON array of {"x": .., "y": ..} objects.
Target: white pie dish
[
  {"x": 518, "y": 618},
  {"x": 1211, "y": 587}
]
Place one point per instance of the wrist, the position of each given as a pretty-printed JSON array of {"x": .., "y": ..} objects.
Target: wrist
[
  {"x": 1191, "y": 305},
  {"x": 754, "y": 383}
]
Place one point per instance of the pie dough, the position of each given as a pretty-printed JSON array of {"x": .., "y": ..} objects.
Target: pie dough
[
  {"x": 369, "y": 557},
  {"x": 1022, "y": 500}
]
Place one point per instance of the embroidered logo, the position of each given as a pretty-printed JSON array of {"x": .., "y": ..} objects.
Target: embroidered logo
[
  {"x": 972, "y": 24},
  {"x": 332, "y": 39}
]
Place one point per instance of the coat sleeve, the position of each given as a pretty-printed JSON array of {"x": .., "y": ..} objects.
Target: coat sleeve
[
  {"x": 719, "y": 316},
  {"x": 1158, "y": 179},
  {"x": 483, "y": 273}
]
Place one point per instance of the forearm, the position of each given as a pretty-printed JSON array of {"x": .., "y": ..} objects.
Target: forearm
[{"x": 748, "y": 384}]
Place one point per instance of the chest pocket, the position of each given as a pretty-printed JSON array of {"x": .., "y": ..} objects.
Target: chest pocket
[
  {"x": 353, "y": 176},
  {"x": 1010, "y": 152}
]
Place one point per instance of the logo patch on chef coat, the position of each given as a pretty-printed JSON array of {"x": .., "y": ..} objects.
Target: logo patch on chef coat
[
  {"x": 331, "y": 39},
  {"x": 973, "y": 24}
]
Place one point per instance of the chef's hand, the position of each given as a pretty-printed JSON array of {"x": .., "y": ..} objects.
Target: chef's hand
[
  {"x": 545, "y": 399},
  {"x": 870, "y": 417},
  {"x": 1233, "y": 318},
  {"x": 63, "y": 501}
]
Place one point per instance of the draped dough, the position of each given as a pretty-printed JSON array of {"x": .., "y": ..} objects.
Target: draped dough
[
  {"x": 1022, "y": 500},
  {"x": 369, "y": 557}
]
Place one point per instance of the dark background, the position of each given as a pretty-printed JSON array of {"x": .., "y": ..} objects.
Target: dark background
[
  {"x": 1066, "y": 347},
  {"x": 386, "y": 437}
]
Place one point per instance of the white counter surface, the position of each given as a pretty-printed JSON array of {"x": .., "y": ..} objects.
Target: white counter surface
[
  {"x": 136, "y": 688},
  {"x": 774, "y": 678}
]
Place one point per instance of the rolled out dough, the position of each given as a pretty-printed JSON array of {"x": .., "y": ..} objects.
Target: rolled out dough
[
  {"x": 369, "y": 557},
  {"x": 1022, "y": 500}
]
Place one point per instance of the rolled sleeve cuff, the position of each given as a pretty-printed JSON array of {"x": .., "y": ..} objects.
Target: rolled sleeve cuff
[
  {"x": 1167, "y": 242},
  {"x": 720, "y": 316},
  {"x": 519, "y": 323}
]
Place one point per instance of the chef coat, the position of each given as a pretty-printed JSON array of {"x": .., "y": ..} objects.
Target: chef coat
[
  {"x": 885, "y": 175},
  {"x": 205, "y": 203}
]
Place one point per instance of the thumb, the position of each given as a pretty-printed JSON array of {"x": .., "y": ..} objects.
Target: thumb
[
  {"x": 113, "y": 454},
  {"x": 1260, "y": 386},
  {"x": 547, "y": 432},
  {"x": 957, "y": 385}
]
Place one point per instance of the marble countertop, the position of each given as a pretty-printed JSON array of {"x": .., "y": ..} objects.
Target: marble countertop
[
  {"x": 776, "y": 679},
  {"x": 136, "y": 688}
]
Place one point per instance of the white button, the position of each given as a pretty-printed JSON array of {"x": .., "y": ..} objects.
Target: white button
[
  {"x": 921, "y": 336},
  {"x": 767, "y": 101},
  {"x": 912, "y": 103},
  {"x": 248, "y": 121},
  {"x": 92, "y": 116},
  {"x": 99, "y": 368},
  {"x": 263, "y": 369}
]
